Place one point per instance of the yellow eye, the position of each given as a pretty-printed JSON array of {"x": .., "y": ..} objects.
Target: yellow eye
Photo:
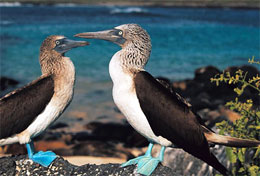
[
  {"x": 57, "y": 42},
  {"x": 120, "y": 33}
]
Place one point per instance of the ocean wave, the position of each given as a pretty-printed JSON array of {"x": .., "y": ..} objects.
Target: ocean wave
[
  {"x": 117, "y": 10},
  {"x": 10, "y": 4},
  {"x": 66, "y": 5},
  {"x": 4, "y": 23}
]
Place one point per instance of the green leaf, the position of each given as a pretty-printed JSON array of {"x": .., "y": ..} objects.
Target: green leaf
[
  {"x": 243, "y": 150},
  {"x": 230, "y": 154},
  {"x": 258, "y": 113},
  {"x": 241, "y": 156},
  {"x": 241, "y": 170},
  {"x": 238, "y": 91},
  {"x": 218, "y": 175},
  {"x": 247, "y": 126},
  {"x": 257, "y": 152},
  {"x": 252, "y": 127},
  {"x": 254, "y": 170}
]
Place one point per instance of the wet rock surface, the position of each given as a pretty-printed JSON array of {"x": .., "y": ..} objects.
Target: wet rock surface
[{"x": 21, "y": 165}]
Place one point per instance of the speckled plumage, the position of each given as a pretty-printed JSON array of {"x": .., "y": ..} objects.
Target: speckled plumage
[{"x": 136, "y": 50}]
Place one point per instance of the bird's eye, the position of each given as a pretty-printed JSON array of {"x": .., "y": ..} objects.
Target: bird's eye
[
  {"x": 57, "y": 42},
  {"x": 120, "y": 33}
]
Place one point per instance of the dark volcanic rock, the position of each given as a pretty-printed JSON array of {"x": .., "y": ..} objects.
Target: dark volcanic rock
[
  {"x": 96, "y": 148},
  {"x": 110, "y": 131},
  {"x": 251, "y": 71},
  {"x": 58, "y": 125},
  {"x": 201, "y": 93},
  {"x": 205, "y": 73},
  {"x": 20, "y": 165}
]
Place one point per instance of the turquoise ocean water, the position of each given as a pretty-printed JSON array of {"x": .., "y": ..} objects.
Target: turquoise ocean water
[{"x": 183, "y": 39}]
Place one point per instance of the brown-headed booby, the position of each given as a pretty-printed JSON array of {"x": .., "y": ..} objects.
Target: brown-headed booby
[
  {"x": 28, "y": 111},
  {"x": 159, "y": 114}
]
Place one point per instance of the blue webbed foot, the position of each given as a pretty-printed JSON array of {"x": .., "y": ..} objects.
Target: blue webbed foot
[
  {"x": 146, "y": 164},
  {"x": 147, "y": 168},
  {"x": 43, "y": 158},
  {"x": 140, "y": 159}
]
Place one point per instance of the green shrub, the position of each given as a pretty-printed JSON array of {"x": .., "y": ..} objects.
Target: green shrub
[{"x": 244, "y": 161}]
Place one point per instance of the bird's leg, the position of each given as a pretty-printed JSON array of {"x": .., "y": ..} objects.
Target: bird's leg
[
  {"x": 42, "y": 158},
  {"x": 147, "y": 168},
  {"x": 30, "y": 149},
  {"x": 148, "y": 152},
  {"x": 146, "y": 156}
]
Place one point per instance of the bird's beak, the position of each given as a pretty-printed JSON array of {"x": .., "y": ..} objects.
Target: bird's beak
[
  {"x": 69, "y": 44},
  {"x": 109, "y": 35}
]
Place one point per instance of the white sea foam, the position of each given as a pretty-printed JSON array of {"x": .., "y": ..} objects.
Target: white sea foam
[
  {"x": 66, "y": 5},
  {"x": 10, "y": 4},
  {"x": 116, "y": 10},
  {"x": 5, "y": 22}
]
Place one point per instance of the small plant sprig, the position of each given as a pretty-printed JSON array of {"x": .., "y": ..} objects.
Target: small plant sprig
[
  {"x": 248, "y": 126},
  {"x": 252, "y": 61},
  {"x": 239, "y": 77}
]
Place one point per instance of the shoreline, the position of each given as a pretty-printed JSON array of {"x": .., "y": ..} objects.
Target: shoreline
[{"x": 243, "y": 4}]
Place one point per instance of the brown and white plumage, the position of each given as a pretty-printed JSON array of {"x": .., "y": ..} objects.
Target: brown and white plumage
[
  {"x": 11, "y": 105},
  {"x": 154, "y": 110},
  {"x": 28, "y": 111}
]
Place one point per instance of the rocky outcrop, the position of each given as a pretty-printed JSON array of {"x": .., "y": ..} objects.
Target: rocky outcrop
[
  {"x": 201, "y": 93},
  {"x": 21, "y": 165}
]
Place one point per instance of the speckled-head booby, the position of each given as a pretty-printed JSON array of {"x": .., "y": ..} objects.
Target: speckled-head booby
[
  {"x": 155, "y": 111},
  {"x": 28, "y": 111}
]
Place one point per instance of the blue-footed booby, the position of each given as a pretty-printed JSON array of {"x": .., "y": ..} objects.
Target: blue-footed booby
[
  {"x": 28, "y": 111},
  {"x": 155, "y": 111}
]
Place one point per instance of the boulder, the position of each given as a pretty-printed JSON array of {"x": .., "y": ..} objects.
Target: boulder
[
  {"x": 21, "y": 165},
  {"x": 186, "y": 164},
  {"x": 204, "y": 74},
  {"x": 202, "y": 93},
  {"x": 110, "y": 131},
  {"x": 251, "y": 70}
]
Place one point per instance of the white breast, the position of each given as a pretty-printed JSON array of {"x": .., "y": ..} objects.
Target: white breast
[
  {"x": 63, "y": 94},
  {"x": 125, "y": 98},
  {"x": 62, "y": 97}
]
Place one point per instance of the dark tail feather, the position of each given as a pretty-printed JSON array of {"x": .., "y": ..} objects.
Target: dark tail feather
[{"x": 229, "y": 141}]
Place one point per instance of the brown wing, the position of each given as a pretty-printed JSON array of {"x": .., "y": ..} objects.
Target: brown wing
[
  {"x": 19, "y": 108},
  {"x": 170, "y": 88},
  {"x": 172, "y": 119},
  {"x": 168, "y": 116}
]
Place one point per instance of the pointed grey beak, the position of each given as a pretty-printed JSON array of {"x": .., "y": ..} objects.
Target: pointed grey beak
[
  {"x": 112, "y": 35},
  {"x": 69, "y": 44}
]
